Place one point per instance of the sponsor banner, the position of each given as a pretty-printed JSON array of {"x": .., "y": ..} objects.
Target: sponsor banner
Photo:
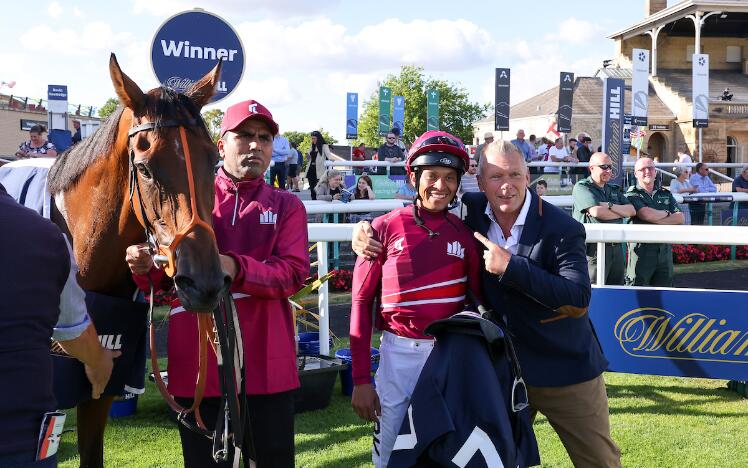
[
  {"x": 501, "y": 100},
  {"x": 728, "y": 218},
  {"x": 26, "y": 124},
  {"x": 385, "y": 186},
  {"x": 700, "y": 86},
  {"x": 385, "y": 97},
  {"x": 659, "y": 127},
  {"x": 432, "y": 109},
  {"x": 677, "y": 332},
  {"x": 639, "y": 87},
  {"x": 57, "y": 99},
  {"x": 398, "y": 113},
  {"x": 613, "y": 95},
  {"x": 189, "y": 44},
  {"x": 565, "y": 101},
  {"x": 351, "y": 124}
]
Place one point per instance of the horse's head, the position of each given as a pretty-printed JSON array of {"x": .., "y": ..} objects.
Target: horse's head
[{"x": 172, "y": 160}]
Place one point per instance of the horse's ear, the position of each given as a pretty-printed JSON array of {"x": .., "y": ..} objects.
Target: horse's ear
[
  {"x": 203, "y": 89},
  {"x": 128, "y": 92}
]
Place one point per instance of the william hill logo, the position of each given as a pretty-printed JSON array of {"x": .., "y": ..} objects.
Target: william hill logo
[{"x": 656, "y": 333}]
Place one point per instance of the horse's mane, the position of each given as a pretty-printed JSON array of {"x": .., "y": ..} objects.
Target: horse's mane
[{"x": 162, "y": 104}]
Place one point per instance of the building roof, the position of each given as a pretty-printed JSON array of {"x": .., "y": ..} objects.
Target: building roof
[
  {"x": 712, "y": 26},
  {"x": 681, "y": 82},
  {"x": 588, "y": 100}
]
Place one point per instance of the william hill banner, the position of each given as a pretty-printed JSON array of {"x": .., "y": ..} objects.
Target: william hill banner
[
  {"x": 678, "y": 332},
  {"x": 613, "y": 95}
]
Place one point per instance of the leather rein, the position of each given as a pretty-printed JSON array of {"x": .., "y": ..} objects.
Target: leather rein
[{"x": 221, "y": 330}]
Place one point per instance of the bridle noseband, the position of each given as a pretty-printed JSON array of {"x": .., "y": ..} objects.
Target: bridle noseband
[{"x": 169, "y": 252}]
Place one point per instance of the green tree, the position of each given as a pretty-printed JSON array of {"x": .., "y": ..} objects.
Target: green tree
[
  {"x": 213, "y": 120},
  {"x": 108, "y": 108},
  {"x": 457, "y": 113}
]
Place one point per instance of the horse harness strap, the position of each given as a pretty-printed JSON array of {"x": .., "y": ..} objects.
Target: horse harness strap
[{"x": 222, "y": 332}]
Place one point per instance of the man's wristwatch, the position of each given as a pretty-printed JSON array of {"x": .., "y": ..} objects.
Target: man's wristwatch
[
  {"x": 610, "y": 205},
  {"x": 668, "y": 214}
]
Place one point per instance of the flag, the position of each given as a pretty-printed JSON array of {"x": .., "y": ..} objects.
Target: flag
[{"x": 552, "y": 129}]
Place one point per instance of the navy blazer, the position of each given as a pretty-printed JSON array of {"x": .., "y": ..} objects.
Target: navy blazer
[{"x": 549, "y": 271}]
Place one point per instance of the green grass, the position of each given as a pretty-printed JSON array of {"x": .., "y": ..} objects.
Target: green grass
[
  {"x": 710, "y": 266},
  {"x": 657, "y": 422}
]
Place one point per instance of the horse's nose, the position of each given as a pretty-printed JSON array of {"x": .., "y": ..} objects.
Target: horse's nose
[{"x": 200, "y": 293}]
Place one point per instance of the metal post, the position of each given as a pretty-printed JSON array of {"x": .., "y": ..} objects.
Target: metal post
[
  {"x": 324, "y": 313},
  {"x": 734, "y": 223},
  {"x": 335, "y": 246},
  {"x": 709, "y": 213},
  {"x": 700, "y": 154},
  {"x": 601, "y": 263}
]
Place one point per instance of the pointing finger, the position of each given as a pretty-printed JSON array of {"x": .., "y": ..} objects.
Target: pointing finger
[{"x": 483, "y": 240}]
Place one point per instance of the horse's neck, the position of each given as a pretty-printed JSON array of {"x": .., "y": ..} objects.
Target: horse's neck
[{"x": 97, "y": 215}]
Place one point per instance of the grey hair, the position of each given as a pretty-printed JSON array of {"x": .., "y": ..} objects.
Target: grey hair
[{"x": 501, "y": 147}]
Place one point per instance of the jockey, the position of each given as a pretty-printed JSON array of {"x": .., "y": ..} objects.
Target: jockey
[
  {"x": 428, "y": 262},
  {"x": 262, "y": 237}
]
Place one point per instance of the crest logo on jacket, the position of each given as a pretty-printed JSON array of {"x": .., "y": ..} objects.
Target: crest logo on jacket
[
  {"x": 399, "y": 244},
  {"x": 455, "y": 249},
  {"x": 268, "y": 217}
]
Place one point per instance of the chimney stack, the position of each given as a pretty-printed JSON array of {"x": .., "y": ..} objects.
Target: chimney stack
[{"x": 653, "y": 6}]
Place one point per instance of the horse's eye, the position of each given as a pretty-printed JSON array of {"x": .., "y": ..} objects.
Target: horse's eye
[{"x": 143, "y": 169}]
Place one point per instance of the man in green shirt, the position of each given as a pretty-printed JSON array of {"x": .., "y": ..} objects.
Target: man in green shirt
[
  {"x": 598, "y": 201},
  {"x": 651, "y": 264}
]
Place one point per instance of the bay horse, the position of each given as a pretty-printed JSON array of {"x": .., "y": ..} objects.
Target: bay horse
[{"x": 148, "y": 169}]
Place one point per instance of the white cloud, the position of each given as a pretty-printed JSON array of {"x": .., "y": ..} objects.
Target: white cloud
[
  {"x": 54, "y": 10},
  {"x": 576, "y": 31},
  {"x": 280, "y": 8},
  {"x": 78, "y": 13},
  {"x": 94, "y": 36}
]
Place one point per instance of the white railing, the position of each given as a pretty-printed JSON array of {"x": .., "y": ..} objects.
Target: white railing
[
  {"x": 346, "y": 163},
  {"x": 596, "y": 233}
]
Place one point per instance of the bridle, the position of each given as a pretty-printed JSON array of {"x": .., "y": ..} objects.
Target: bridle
[{"x": 221, "y": 330}]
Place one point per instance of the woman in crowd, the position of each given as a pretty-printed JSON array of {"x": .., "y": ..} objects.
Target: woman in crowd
[
  {"x": 318, "y": 154},
  {"x": 330, "y": 186},
  {"x": 364, "y": 189},
  {"x": 406, "y": 191},
  {"x": 37, "y": 146},
  {"x": 683, "y": 186}
]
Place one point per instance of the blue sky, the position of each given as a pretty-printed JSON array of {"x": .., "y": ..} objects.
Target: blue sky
[{"x": 303, "y": 56}]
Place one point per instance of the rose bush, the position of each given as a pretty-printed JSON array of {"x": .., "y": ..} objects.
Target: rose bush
[{"x": 690, "y": 253}]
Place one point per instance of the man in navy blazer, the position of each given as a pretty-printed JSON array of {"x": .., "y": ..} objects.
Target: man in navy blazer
[{"x": 536, "y": 280}]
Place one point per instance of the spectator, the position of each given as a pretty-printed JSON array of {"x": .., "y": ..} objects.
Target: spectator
[
  {"x": 685, "y": 158},
  {"x": 406, "y": 191},
  {"x": 541, "y": 186},
  {"x": 330, "y": 186},
  {"x": 364, "y": 189},
  {"x": 262, "y": 237},
  {"x": 37, "y": 145},
  {"x": 398, "y": 141},
  {"x": 740, "y": 185},
  {"x": 77, "y": 133},
  {"x": 318, "y": 154},
  {"x": 557, "y": 153},
  {"x": 682, "y": 185},
  {"x": 41, "y": 299},
  {"x": 542, "y": 153},
  {"x": 703, "y": 184},
  {"x": 523, "y": 145},
  {"x": 293, "y": 169},
  {"x": 392, "y": 153},
  {"x": 281, "y": 155},
  {"x": 596, "y": 200},
  {"x": 534, "y": 154},
  {"x": 651, "y": 264},
  {"x": 726, "y": 95},
  {"x": 584, "y": 143},
  {"x": 359, "y": 155},
  {"x": 479, "y": 150}
]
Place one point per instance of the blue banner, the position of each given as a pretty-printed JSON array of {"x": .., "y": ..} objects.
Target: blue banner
[
  {"x": 613, "y": 95},
  {"x": 398, "y": 113},
  {"x": 351, "y": 123},
  {"x": 684, "y": 333},
  {"x": 189, "y": 44}
]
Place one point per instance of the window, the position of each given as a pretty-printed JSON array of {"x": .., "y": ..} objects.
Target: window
[{"x": 734, "y": 54}]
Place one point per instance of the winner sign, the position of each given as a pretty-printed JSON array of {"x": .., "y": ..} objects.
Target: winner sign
[{"x": 188, "y": 45}]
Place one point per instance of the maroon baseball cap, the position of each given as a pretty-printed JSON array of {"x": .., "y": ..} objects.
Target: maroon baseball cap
[{"x": 235, "y": 115}]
